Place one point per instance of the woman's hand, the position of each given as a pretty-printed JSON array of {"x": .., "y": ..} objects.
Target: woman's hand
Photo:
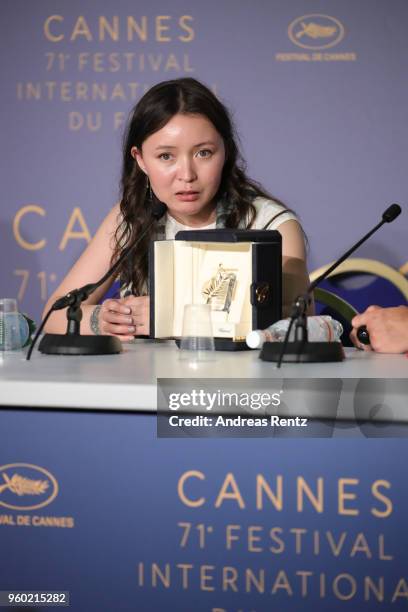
[
  {"x": 140, "y": 307},
  {"x": 125, "y": 318}
]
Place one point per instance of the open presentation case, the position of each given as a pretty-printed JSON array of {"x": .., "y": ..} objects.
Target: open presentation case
[{"x": 237, "y": 272}]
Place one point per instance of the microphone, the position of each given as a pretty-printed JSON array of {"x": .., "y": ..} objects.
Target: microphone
[
  {"x": 301, "y": 351},
  {"x": 391, "y": 213},
  {"x": 72, "y": 343}
]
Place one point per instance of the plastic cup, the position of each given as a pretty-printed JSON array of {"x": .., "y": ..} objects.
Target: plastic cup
[
  {"x": 197, "y": 341},
  {"x": 14, "y": 330}
]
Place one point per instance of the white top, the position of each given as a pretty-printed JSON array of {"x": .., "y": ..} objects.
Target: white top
[{"x": 265, "y": 211}]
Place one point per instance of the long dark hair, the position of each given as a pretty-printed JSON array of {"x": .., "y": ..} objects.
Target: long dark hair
[{"x": 152, "y": 112}]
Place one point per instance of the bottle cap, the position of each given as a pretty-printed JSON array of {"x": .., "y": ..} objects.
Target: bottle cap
[{"x": 255, "y": 339}]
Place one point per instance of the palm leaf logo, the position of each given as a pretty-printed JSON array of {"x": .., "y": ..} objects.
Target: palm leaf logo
[
  {"x": 314, "y": 30},
  {"x": 219, "y": 289},
  {"x": 214, "y": 286},
  {"x": 24, "y": 486}
]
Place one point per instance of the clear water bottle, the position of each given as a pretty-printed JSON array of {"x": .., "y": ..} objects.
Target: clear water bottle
[
  {"x": 322, "y": 328},
  {"x": 14, "y": 329}
]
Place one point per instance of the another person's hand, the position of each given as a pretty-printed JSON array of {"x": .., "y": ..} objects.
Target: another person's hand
[
  {"x": 125, "y": 317},
  {"x": 387, "y": 328}
]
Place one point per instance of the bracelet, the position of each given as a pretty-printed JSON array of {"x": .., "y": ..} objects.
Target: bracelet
[{"x": 94, "y": 320}]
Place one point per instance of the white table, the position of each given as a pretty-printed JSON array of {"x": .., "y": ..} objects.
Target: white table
[{"x": 128, "y": 381}]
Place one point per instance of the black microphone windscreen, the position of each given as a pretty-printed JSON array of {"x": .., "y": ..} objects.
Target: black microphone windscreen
[
  {"x": 158, "y": 209},
  {"x": 391, "y": 213}
]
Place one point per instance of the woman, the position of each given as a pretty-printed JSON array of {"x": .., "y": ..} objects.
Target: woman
[{"x": 180, "y": 148}]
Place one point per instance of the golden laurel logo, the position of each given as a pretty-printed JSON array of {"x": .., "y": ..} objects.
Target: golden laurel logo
[
  {"x": 316, "y": 31},
  {"x": 24, "y": 486}
]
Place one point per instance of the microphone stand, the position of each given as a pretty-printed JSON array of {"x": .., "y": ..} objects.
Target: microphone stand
[
  {"x": 72, "y": 342},
  {"x": 300, "y": 350}
]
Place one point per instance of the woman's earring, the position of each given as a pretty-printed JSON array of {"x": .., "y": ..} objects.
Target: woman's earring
[{"x": 149, "y": 189}]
